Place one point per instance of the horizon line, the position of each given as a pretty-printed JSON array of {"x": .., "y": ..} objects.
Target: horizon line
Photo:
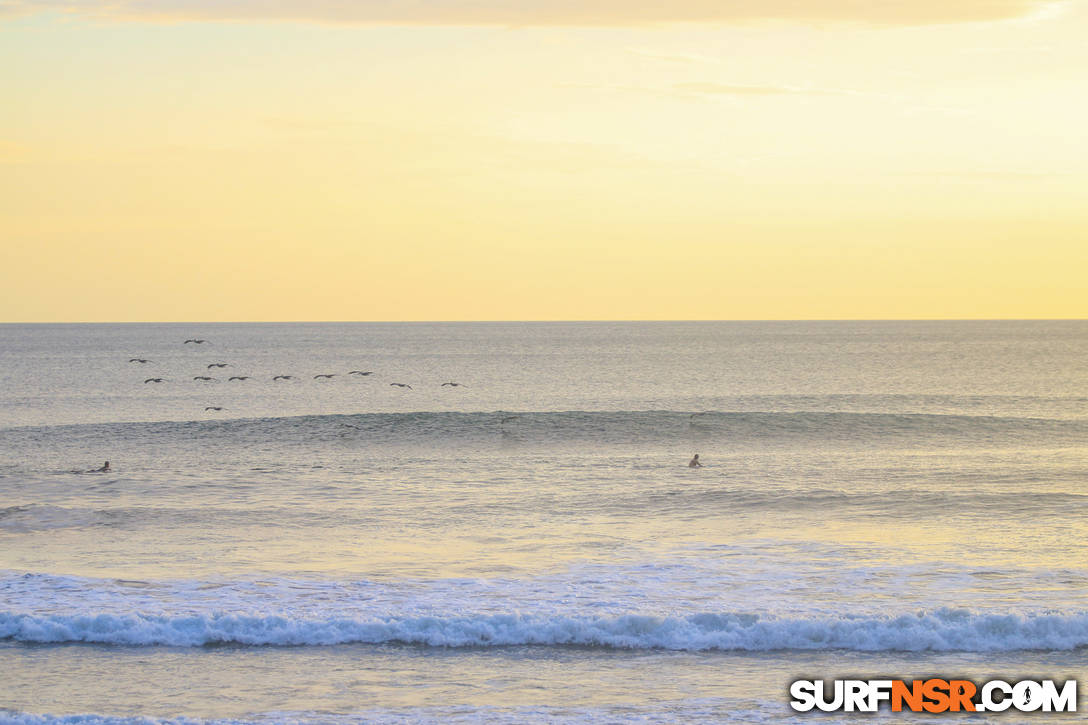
[{"x": 542, "y": 321}]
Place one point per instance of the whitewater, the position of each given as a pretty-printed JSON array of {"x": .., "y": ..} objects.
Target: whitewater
[{"x": 879, "y": 499}]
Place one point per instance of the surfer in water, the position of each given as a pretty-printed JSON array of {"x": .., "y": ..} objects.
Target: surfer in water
[
  {"x": 104, "y": 469},
  {"x": 694, "y": 462}
]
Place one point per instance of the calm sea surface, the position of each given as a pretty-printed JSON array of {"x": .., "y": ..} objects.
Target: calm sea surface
[{"x": 896, "y": 499}]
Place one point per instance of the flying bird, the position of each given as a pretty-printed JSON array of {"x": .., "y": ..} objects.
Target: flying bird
[
  {"x": 238, "y": 377},
  {"x": 324, "y": 375},
  {"x": 202, "y": 377},
  {"x": 153, "y": 380},
  {"x": 360, "y": 372},
  {"x": 401, "y": 385},
  {"x": 193, "y": 339},
  {"x": 283, "y": 377},
  {"x": 218, "y": 365},
  {"x": 138, "y": 359},
  {"x": 452, "y": 385},
  {"x": 214, "y": 407}
]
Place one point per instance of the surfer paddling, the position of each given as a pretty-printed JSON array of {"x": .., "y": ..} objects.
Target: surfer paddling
[{"x": 694, "y": 462}]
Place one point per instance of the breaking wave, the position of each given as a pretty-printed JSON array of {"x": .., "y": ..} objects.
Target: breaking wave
[{"x": 942, "y": 630}]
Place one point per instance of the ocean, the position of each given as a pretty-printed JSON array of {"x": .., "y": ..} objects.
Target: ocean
[{"x": 878, "y": 499}]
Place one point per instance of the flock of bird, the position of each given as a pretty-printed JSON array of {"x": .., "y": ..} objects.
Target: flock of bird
[{"x": 275, "y": 378}]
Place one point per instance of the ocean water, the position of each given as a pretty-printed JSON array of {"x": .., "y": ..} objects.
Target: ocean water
[{"x": 879, "y": 499}]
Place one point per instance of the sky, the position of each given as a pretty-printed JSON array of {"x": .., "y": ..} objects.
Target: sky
[{"x": 238, "y": 160}]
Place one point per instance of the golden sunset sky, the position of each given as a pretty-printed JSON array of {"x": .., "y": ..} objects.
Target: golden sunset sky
[{"x": 168, "y": 160}]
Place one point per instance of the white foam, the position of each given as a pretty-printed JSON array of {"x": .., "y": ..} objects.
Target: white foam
[{"x": 943, "y": 630}]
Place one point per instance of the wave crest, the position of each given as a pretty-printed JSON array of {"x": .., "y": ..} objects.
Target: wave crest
[
  {"x": 581, "y": 428},
  {"x": 942, "y": 630}
]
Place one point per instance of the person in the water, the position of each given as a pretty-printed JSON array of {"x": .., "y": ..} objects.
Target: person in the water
[
  {"x": 693, "y": 463},
  {"x": 106, "y": 468}
]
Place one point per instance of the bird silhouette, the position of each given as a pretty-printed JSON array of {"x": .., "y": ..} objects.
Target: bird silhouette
[
  {"x": 153, "y": 380},
  {"x": 360, "y": 372},
  {"x": 193, "y": 339},
  {"x": 401, "y": 385},
  {"x": 238, "y": 377},
  {"x": 138, "y": 359},
  {"x": 452, "y": 385},
  {"x": 202, "y": 377},
  {"x": 214, "y": 407},
  {"x": 324, "y": 375},
  {"x": 283, "y": 377},
  {"x": 218, "y": 365}
]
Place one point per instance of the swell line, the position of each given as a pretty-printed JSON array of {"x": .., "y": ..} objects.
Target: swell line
[{"x": 944, "y": 630}]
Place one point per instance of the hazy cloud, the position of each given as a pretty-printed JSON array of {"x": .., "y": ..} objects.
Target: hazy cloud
[
  {"x": 992, "y": 175},
  {"x": 540, "y": 12},
  {"x": 695, "y": 90},
  {"x": 707, "y": 88},
  {"x": 673, "y": 57}
]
